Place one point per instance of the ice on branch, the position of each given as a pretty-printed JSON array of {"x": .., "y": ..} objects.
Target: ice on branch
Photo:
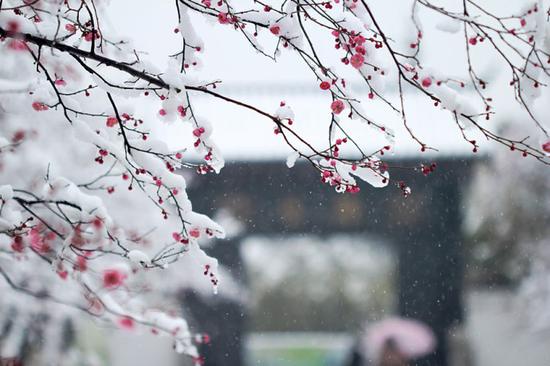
[{"x": 291, "y": 159}]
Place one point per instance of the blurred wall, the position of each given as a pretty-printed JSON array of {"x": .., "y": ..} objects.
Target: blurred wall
[{"x": 498, "y": 333}]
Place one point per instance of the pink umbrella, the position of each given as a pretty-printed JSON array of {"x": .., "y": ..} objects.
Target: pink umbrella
[{"x": 412, "y": 338}]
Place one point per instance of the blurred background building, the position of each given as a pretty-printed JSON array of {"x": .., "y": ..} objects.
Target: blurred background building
[
  {"x": 324, "y": 262},
  {"x": 307, "y": 269}
]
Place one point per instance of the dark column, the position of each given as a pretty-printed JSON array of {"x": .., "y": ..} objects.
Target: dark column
[
  {"x": 222, "y": 318},
  {"x": 430, "y": 262}
]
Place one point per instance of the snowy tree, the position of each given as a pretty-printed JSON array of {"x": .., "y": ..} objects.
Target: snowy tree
[
  {"x": 508, "y": 208},
  {"x": 94, "y": 210}
]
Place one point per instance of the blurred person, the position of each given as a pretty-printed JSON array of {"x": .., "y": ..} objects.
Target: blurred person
[
  {"x": 391, "y": 355},
  {"x": 392, "y": 342}
]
